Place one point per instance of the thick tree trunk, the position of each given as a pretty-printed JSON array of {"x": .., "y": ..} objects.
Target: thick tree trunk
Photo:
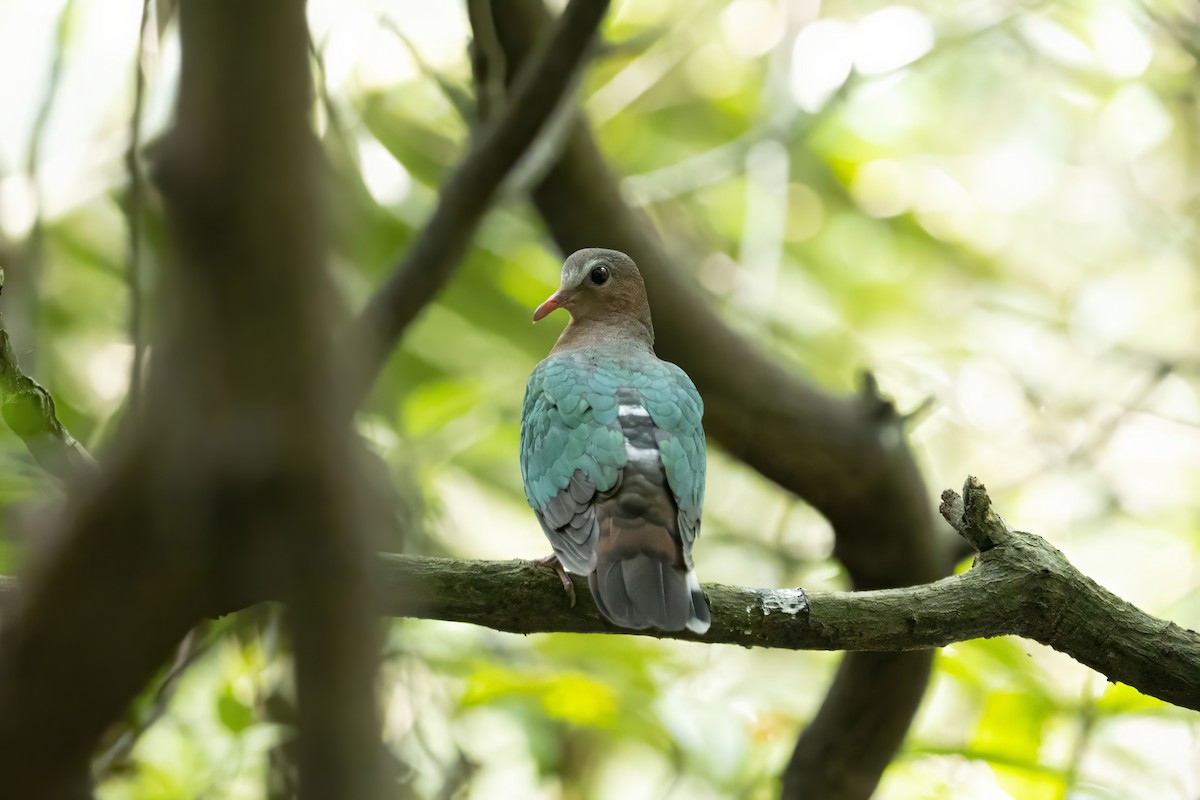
[{"x": 239, "y": 448}]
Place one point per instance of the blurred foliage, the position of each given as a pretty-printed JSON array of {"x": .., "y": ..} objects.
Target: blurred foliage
[{"x": 988, "y": 203}]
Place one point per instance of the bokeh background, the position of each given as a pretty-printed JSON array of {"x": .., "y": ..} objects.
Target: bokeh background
[{"x": 991, "y": 205}]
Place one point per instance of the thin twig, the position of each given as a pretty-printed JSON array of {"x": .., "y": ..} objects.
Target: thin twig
[
  {"x": 333, "y": 115},
  {"x": 133, "y": 214},
  {"x": 457, "y": 95},
  {"x": 195, "y": 645},
  {"x": 487, "y": 61},
  {"x": 1088, "y": 717}
]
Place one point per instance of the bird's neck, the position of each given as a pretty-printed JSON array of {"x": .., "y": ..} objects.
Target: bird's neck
[{"x": 624, "y": 333}]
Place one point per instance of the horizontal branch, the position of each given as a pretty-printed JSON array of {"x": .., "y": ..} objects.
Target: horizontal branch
[
  {"x": 1023, "y": 587},
  {"x": 1019, "y": 585}
]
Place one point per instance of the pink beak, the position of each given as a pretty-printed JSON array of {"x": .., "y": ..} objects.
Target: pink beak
[{"x": 554, "y": 301}]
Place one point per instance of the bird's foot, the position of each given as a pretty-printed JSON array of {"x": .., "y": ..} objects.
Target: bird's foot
[{"x": 551, "y": 562}]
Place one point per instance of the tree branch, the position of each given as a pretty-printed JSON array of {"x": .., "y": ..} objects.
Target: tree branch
[
  {"x": 1019, "y": 585},
  {"x": 245, "y": 387},
  {"x": 133, "y": 212},
  {"x": 78, "y": 644},
  {"x": 468, "y": 192},
  {"x": 238, "y": 448},
  {"x": 28, "y": 409},
  {"x": 1014, "y": 589},
  {"x": 1059, "y": 606}
]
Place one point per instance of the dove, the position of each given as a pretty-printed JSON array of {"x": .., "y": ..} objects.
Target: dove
[{"x": 613, "y": 453}]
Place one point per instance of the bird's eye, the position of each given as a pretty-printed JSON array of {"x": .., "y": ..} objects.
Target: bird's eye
[{"x": 600, "y": 276}]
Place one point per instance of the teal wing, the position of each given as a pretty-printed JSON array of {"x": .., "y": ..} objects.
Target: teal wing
[
  {"x": 572, "y": 450},
  {"x": 676, "y": 409}
]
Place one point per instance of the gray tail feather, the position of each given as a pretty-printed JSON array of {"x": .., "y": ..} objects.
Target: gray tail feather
[{"x": 643, "y": 590}]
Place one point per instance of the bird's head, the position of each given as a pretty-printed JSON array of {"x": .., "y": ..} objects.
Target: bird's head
[{"x": 600, "y": 285}]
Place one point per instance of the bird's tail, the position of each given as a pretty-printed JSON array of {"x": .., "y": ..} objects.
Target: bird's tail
[{"x": 644, "y": 589}]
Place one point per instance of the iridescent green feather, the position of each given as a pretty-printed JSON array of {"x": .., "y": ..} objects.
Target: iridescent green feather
[{"x": 569, "y": 422}]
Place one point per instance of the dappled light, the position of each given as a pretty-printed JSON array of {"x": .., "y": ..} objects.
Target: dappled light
[{"x": 989, "y": 207}]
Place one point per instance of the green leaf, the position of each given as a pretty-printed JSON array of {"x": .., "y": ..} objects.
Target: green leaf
[
  {"x": 235, "y": 715},
  {"x": 569, "y": 696},
  {"x": 1011, "y": 727},
  {"x": 1119, "y": 698}
]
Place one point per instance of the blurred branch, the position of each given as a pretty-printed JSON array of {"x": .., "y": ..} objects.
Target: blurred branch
[
  {"x": 1155, "y": 362},
  {"x": 246, "y": 403},
  {"x": 77, "y": 644},
  {"x": 116, "y": 756},
  {"x": 844, "y": 455},
  {"x": 238, "y": 448},
  {"x": 133, "y": 213},
  {"x": 1102, "y": 432},
  {"x": 456, "y": 94},
  {"x": 28, "y": 409},
  {"x": 1184, "y": 29},
  {"x": 468, "y": 192},
  {"x": 488, "y": 63},
  {"x": 1088, "y": 719},
  {"x": 28, "y": 266},
  {"x": 336, "y": 124}
]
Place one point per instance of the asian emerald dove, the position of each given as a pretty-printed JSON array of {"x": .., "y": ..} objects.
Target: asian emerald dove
[{"x": 612, "y": 450}]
